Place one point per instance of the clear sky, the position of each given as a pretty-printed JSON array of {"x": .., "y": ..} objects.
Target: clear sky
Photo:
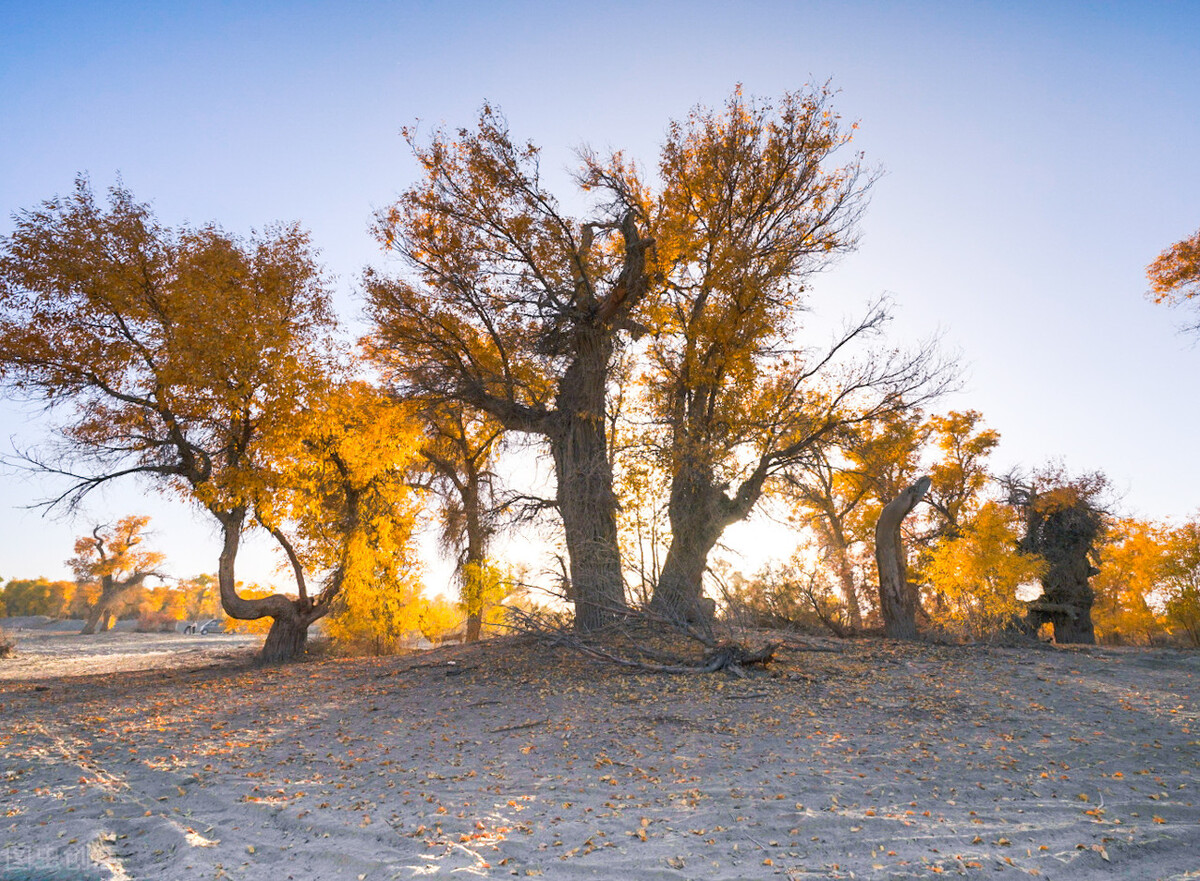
[{"x": 1037, "y": 155}]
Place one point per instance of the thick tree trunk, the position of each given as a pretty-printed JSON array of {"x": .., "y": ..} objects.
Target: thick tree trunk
[
  {"x": 288, "y": 635},
  {"x": 697, "y": 521},
  {"x": 287, "y": 639},
  {"x": 896, "y": 600},
  {"x": 95, "y": 613},
  {"x": 474, "y": 626},
  {"x": 586, "y": 500},
  {"x": 1063, "y": 535},
  {"x": 101, "y": 615}
]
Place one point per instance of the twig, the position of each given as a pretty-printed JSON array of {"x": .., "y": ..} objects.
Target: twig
[{"x": 523, "y": 725}]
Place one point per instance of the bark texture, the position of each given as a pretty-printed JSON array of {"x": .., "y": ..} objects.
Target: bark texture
[
  {"x": 896, "y": 600},
  {"x": 699, "y": 512},
  {"x": 585, "y": 496},
  {"x": 1064, "y": 536}
]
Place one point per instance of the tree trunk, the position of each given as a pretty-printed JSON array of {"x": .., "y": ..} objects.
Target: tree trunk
[
  {"x": 287, "y": 639},
  {"x": 99, "y": 618},
  {"x": 896, "y": 600},
  {"x": 474, "y": 575},
  {"x": 1063, "y": 535},
  {"x": 474, "y": 626},
  {"x": 696, "y": 517},
  {"x": 95, "y": 613},
  {"x": 840, "y": 552},
  {"x": 586, "y": 500},
  {"x": 288, "y": 635}
]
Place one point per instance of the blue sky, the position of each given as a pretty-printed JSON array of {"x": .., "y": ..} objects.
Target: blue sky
[{"x": 1036, "y": 157}]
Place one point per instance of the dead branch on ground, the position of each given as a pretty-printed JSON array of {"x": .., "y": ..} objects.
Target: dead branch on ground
[{"x": 642, "y": 640}]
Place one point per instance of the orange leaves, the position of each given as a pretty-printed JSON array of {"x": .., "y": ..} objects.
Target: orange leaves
[{"x": 1175, "y": 274}]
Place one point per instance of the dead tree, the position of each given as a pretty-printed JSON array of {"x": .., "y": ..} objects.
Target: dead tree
[{"x": 897, "y": 602}]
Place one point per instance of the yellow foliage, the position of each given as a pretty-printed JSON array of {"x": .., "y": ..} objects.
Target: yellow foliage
[
  {"x": 112, "y": 551},
  {"x": 975, "y": 576},
  {"x": 438, "y": 617},
  {"x": 377, "y": 615},
  {"x": 1181, "y": 580},
  {"x": 484, "y": 588},
  {"x": 339, "y": 486},
  {"x": 1133, "y": 561},
  {"x": 1175, "y": 275}
]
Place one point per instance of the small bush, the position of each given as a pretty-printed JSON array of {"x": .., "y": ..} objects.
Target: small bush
[{"x": 8, "y": 646}]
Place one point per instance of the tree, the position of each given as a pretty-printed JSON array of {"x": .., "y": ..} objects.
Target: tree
[
  {"x": 1175, "y": 274},
  {"x": 174, "y": 355},
  {"x": 897, "y": 599},
  {"x": 111, "y": 557},
  {"x": 1181, "y": 579},
  {"x": 515, "y": 309},
  {"x": 340, "y": 503},
  {"x": 201, "y": 598},
  {"x": 826, "y": 496},
  {"x": 751, "y": 206},
  {"x": 976, "y": 573},
  {"x": 1134, "y": 556},
  {"x": 960, "y": 475},
  {"x": 459, "y": 449},
  {"x": 54, "y": 599},
  {"x": 1063, "y": 524}
]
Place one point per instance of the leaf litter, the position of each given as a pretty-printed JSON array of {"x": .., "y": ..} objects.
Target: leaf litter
[{"x": 878, "y": 760}]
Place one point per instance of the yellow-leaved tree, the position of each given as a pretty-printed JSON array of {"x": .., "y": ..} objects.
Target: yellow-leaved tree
[
  {"x": 177, "y": 355},
  {"x": 511, "y": 307},
  {"x": 112, "y": 558},
  {"x": 977, "y": 572},
  {"x": 458, "y": 451},
  {"x": 756, "y": 197},
  {"x": 1134, "y": 559},
  {"x": 1181, "y": 579},
  {"x": 342, "y": 507}
]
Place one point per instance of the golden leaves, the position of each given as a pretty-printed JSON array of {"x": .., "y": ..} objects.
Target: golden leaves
[{"x": 1174, "y": 275}]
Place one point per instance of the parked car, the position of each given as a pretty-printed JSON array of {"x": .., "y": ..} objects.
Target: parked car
[{"x": 204, "y": 628}]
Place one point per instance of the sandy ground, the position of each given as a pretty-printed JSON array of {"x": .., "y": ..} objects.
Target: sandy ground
[
  {"x": 49, "y": 654},
  {"x": 881, "y": 760}
]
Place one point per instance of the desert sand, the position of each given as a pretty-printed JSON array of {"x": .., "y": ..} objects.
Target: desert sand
[{"x": 866, "y": 759}]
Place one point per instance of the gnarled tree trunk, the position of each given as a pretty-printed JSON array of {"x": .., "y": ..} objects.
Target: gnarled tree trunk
[
  {"x": 102, "y": 614},
  {"x": 287, "y": 638},
  {"x": 1063, "y": 535},
  {"x": 896, "y": 600},
  {"x": 93, "y": 621},
  {"x": 697, "y": 516},
  {"x": 586, "y": 500},
  {"x": 291, "y": 618}
]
